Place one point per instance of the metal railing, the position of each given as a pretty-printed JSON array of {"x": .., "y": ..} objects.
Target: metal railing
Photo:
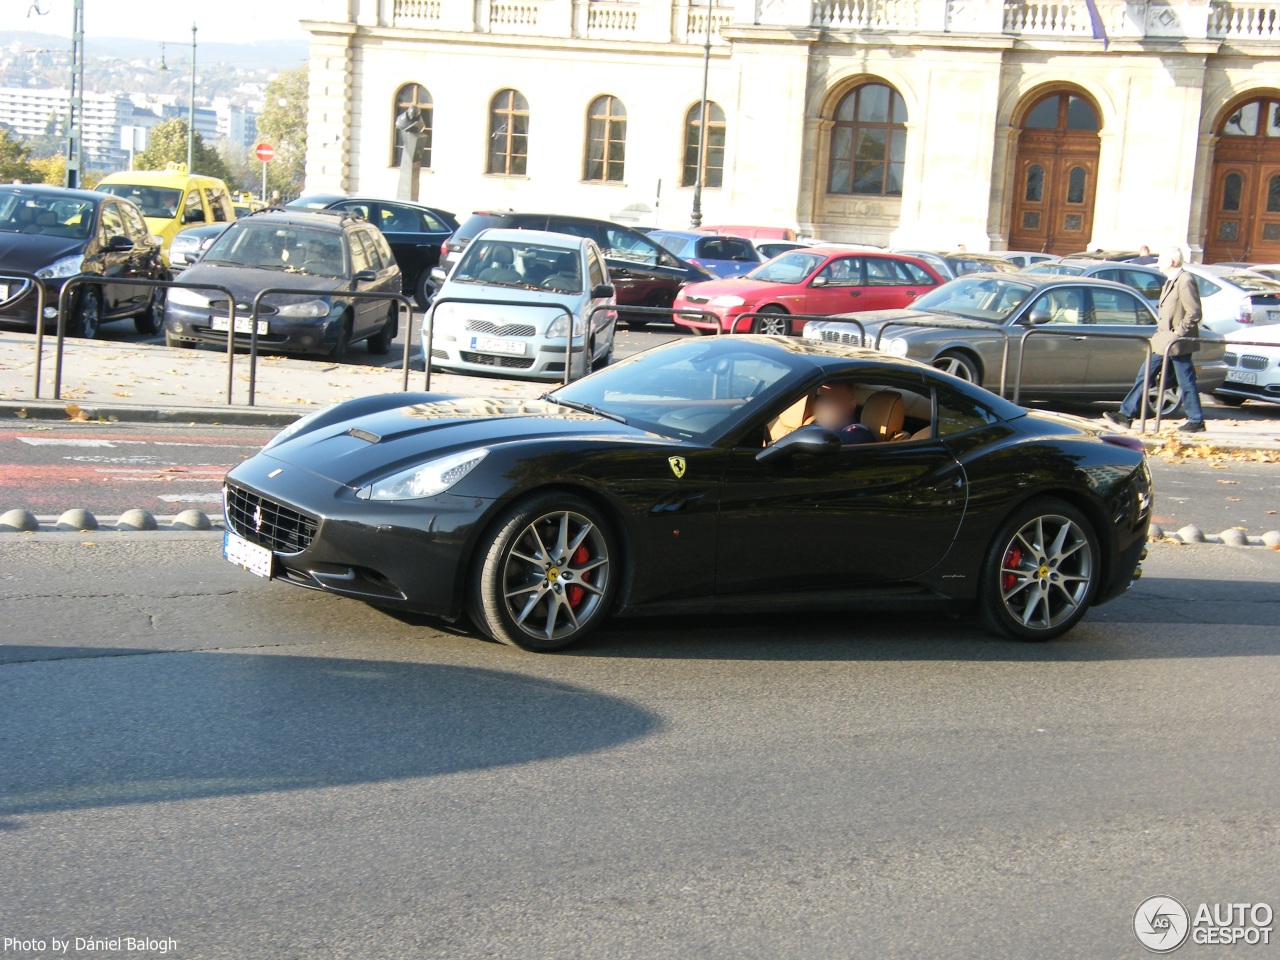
[
  {"x": 86, "y": 279},
  {"x": 949, "y": 325},
  {"x": 400, "y": 299},
  {"x": 1144, "y": 339},
  {"x": 1228, "y": 346},
  {"x": 31, "y": 280},
  {"x": 429, "y": 326}
]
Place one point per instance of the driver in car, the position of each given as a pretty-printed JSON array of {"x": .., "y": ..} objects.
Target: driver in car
[{"x": 835, "y": 408}]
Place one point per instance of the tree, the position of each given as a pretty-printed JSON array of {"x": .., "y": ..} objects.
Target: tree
[
  {"x": 283, "y": 124},
  {"x": 168, "y": 144},
  {"x": 51, "y": 170},
  {"x": 14, "y": 158}
]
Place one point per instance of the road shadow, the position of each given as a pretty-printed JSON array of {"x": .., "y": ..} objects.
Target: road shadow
[
  {"x": 160, "y": 725},
  {"x": 932, "y": 630}
]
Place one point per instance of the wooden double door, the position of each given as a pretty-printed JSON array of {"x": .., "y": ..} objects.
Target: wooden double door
[{"x": 1244, "y": 205}]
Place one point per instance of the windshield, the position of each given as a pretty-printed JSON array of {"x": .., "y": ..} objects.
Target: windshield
[
  {"x": 791, "y": 267},
  {"x": 689, "y": 390},
  {"x": 961, "y": 265},
  {"x": 46, "y": 216},
  {"x": 1056, "y": 269},
  {"x": 284, "y": 247},
  {"x": 526, "y": 266},
  {"x": 1252, "y": 283},
  {"x": 160, "y": 202},
  {"x": 976, "y": 298}
]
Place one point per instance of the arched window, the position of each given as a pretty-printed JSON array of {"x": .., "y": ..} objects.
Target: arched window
[
  {"x": 407, "y": 97},
  {"x": 869, "y": 142},
  {"x": 1252, "y": 119},
  {"x": 1273, "y": 194},
  {"x": 1075, "y": 185},
  {"x": 606, "y": 140},
  {"x": 508, "y": 134},
  {"x": 713, "y": 159},
  {"x": 1062, "y": 111},
  {"x": 1232, "y": 187},
  {"x": 1035, "y": 183}
]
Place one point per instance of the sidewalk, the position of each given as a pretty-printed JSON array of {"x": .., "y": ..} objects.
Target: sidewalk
[{"x": 131, "y": 381}]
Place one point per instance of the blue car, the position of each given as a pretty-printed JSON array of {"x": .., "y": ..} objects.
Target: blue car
[{"x": 718, "y": 255}]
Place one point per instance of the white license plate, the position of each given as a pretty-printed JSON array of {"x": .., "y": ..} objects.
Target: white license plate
[
  {"x": 1239, "y": 376},
  {"x": 248, "y": 555},
  {"x": 242, "y": 325},
  {"x": 510, "y": 348},
  {"x": 1273, "y": 316},
  {"x": 4, "y": 291}
]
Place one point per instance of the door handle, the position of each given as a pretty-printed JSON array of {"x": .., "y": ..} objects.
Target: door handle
[
  {"x": 855, "y": 293},
  {"x": 910, "y": 293}
]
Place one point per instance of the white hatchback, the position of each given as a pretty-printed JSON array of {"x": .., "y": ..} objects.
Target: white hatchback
[
  {"x": 518, "y": 303},
  {"x": 1235, "y": 299}
]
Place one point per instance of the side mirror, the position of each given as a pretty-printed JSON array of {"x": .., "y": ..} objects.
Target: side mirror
[
  {"x": 602, "y": 291},
  {"x": 820, "y": 281},
  {"x": 812, "y": 440},
  {"x": 1039, "y": 316},
  {"x": 365, "y": 276},
  {"x": 119, "y": 243}
]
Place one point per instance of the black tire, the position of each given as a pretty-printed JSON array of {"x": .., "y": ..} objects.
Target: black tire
[
  {"x": 959, "y": 364},
  {"x": 775, "y": 323},
  {"x": 338, "y": 352},
  {"x": 1031, "y": 589},
  {"x": 150, "y": 322},
  {"x": 380, "y": 342},
  {"x": 424, "y": 289},
  {"x": 88, "y": 319},
  {"x": 1229, "y": 400},
  {"x": 547, "y": 576}
]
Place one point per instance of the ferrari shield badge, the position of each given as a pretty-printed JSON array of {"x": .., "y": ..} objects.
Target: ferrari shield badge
[{"x": 677, "y": 466}]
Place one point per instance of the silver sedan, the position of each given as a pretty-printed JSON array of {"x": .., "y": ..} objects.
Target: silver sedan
[{"x": 1067, "y": 338}]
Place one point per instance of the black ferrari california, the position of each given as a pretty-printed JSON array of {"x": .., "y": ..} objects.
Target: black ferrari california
[{"x": 692, "y": 478}]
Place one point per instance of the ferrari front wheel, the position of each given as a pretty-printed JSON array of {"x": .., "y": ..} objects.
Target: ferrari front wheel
[
  {"x": 1041, "y": 571},
  {"x": 547, "y": 577}
]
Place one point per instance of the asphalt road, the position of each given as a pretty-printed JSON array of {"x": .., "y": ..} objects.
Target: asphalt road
[
  {"x": 259, "y": 772},
  {"x": 51, "y": 466}
]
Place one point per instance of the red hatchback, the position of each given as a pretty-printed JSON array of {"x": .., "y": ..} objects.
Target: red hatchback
[{"x": 813, "y": 281}]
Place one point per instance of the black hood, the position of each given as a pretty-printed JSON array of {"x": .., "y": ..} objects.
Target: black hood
[
  {"x": 245, "y": 282},
  {"x": 351, "y": 451},
  {"x": 30, "y": 252}
]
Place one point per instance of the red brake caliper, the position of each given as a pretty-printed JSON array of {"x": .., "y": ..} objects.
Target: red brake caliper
[
  {"x": 575, "y": 593},
  {"x": 1011, "y": 559}
]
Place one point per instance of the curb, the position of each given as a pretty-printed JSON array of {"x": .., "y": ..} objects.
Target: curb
[
  {"x": 124, "y": 413},
  {"x": 1231, "y": 537},
  {"x": 80, "y": 521}
]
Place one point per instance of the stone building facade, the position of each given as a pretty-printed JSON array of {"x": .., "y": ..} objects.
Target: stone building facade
[{"x": 998, "y": 124}]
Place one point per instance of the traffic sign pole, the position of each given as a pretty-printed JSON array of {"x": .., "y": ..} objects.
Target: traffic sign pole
[{"x": 265, "y": 152}]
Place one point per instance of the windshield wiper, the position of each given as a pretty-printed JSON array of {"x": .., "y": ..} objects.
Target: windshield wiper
[{"x": 584, "y": 408}]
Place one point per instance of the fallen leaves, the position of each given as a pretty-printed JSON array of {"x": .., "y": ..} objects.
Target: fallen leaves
[{"x": 1176, "y": 451}]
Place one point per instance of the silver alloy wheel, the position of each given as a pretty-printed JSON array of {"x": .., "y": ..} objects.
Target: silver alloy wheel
[
  {"x": 1169, "y": 400},
  {"x": 956, "y": 366},
  {"x": 90, "y": 313},
  {"x": 773, "y": 324},
  {"x": 555, "y": 575},
  {"x": 1046, "y": 571}
]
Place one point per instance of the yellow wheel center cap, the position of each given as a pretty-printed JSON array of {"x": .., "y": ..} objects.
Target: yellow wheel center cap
[
  {"x": 553, "y": 574},
  {"x": 1043, "y": 573}
]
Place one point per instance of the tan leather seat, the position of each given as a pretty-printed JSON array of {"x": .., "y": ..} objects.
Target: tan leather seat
[
  {"x": 795, "y": 416},
  {"x": 883, "y": 415}
]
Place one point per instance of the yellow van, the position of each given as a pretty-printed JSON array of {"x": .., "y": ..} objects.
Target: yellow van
[{"x": 172, "y": 199}]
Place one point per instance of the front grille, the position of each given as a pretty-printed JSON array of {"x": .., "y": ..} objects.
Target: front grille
[
  {"x": 267, "y": 523},
  {"x": 1230, "y": 359},
  {"x": 694, "y": 298},
  {"x": 1253, "y": 362},
  {"x": 439, "y": 354},
  {"x": 488, "y": 360},
  {"x": 502, "y": 330},
  {"x": 839, "y": 336},
  {"x": 17, "y": 288},
  {"x": 242, "y": 309}
]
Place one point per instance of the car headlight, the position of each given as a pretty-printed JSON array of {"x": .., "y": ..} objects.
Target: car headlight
[
  {"x": 810, "y": 332},
  {"x": 307, "y": 308},
  {"x": 294, "y": 427},
  {"x": 425, "y": 480},
  {"x": 896, "y": 347},
  {"x": 559, "y": 327},
  {"x": 66, "y": 267},
  {"x": 726, "y": 300},
  {"x": 184, "y": 297}
]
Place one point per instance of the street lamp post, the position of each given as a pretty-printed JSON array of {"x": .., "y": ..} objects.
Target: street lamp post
[
  {"x": 75, "y": 105},
  {"x": 695, "y": 215},
  {"x": 191, "y": 108}
]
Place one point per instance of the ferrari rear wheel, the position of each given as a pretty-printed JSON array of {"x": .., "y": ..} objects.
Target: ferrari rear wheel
[
  {"x": 1041, "y": 573},
  {"x": 547, "y": 578}
]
